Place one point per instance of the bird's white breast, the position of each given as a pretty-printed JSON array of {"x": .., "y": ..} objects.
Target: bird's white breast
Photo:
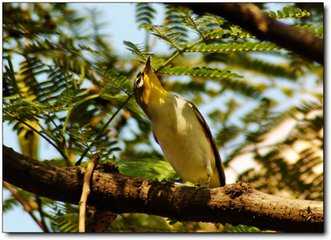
[{"x": 183, "y": 140}]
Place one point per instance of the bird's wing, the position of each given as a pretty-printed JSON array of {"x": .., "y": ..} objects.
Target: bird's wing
[
  {"x": 155, "y": 138},
  {"x": 207, "y": 131}
]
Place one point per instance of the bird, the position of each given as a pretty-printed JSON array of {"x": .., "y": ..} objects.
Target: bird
[{"x": 180, "y": 130}]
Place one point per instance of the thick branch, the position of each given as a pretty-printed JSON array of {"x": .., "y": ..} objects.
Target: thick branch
[
  {"x": 251, "y": 18},
  {"x": 235, "y": 204}
]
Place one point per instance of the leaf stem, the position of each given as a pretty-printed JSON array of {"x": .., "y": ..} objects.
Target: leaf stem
[
  {"x": 177, "y": 53},
  {"x": 40, "y": 134},
  {"x": 103, "y": 128}
]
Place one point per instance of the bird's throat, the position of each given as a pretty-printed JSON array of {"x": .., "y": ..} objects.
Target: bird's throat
[{"x": 153, "y": 99}]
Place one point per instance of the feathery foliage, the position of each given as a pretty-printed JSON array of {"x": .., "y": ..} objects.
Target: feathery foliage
[
  {"x": 227, "y": 79},
  {"x": 173, "y": 22},
  {"x": 232, "y": 47},
  {"x": 289, "y": 12},
  {"x": 64, "y": 218},
  {"x": 144, "y": 14}
]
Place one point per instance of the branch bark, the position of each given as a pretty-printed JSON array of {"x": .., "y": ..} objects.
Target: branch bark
[
  {"x": 235, "y": 203},
  {"x": 251, "y": 18}
]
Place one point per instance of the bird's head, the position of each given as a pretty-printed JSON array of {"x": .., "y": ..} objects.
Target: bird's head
[{"x": 147, "y": 85}]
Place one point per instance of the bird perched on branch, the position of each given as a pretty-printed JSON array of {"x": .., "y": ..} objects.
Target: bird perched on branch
[{"x": 180, "y": 130}]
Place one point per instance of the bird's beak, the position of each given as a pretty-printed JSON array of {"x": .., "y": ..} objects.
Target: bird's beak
[
  {"x": 148, "y": 67},
  {"x": 150, "y": 78}
]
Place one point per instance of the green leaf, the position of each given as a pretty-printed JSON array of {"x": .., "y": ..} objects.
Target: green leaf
[
  {"x": 246, "y": 62},
  {"x": 232, "y": 47},
  {"x": 240, "y": 229},
  {"x": 145, "y": 14},
  {"x": 64, "y": 218},
  {"x": 318, "y": 30},
  {"x": 148, "y": 168},
  {"x": 8, "y": 204},
  {"x": 228, "y": 79},
  {"x": 139, "y": 51},
  {"x": 289, "y": 12},
  {"x": 174, "y": 22},
  {"x": 138, "y": 222},
  {"x": 172, "y": 37}
]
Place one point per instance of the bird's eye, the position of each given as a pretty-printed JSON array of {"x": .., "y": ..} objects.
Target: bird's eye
[{"x": 139, "y": 81}]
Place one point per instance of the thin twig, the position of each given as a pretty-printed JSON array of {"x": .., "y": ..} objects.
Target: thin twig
[
  {"x": 146, "y": 41},
  {"x": 40, "y": 134},
  {"x": 177, "y": 53},
  {"x": 61, "y": 143},
  {"x": 103, "y": 128},
  {"x": 86, "y": 191},
  {"x": 173, "y": 56},
  {"x": 64, "y": 143},
  {"x": 41, "y": 213}
]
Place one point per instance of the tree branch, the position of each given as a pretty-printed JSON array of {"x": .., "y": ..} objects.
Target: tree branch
[
  {"x": 251, "y": 18},
  {"x": 235, "y": 203}
]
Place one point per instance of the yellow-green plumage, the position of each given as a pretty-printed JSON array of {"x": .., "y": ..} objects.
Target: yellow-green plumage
[{"x": 181, "y": 131}]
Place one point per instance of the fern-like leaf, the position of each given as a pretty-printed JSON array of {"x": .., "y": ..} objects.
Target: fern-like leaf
[
  {"x": 135, "y": 49},
  {"x": 145, "y": 14},
  {"x": 164, "y": 33},
  {"x": 289, "y": 12},
  {"x": 174, "y": 22},
  {"x": 244, "y": 61},
  {"x": 64, "y": 218},
  {"x": 237, "y": 32},
  {"x": 240, "y": 229},
  {"x": 8, "y": 204},
  {"x": 115, "y": 82},
  {"x": 317, "y": 30},
  {"x": 228, "y": 79},
  {"x": 232, "y": 47},
  {"x": 207, "y": 23}
]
